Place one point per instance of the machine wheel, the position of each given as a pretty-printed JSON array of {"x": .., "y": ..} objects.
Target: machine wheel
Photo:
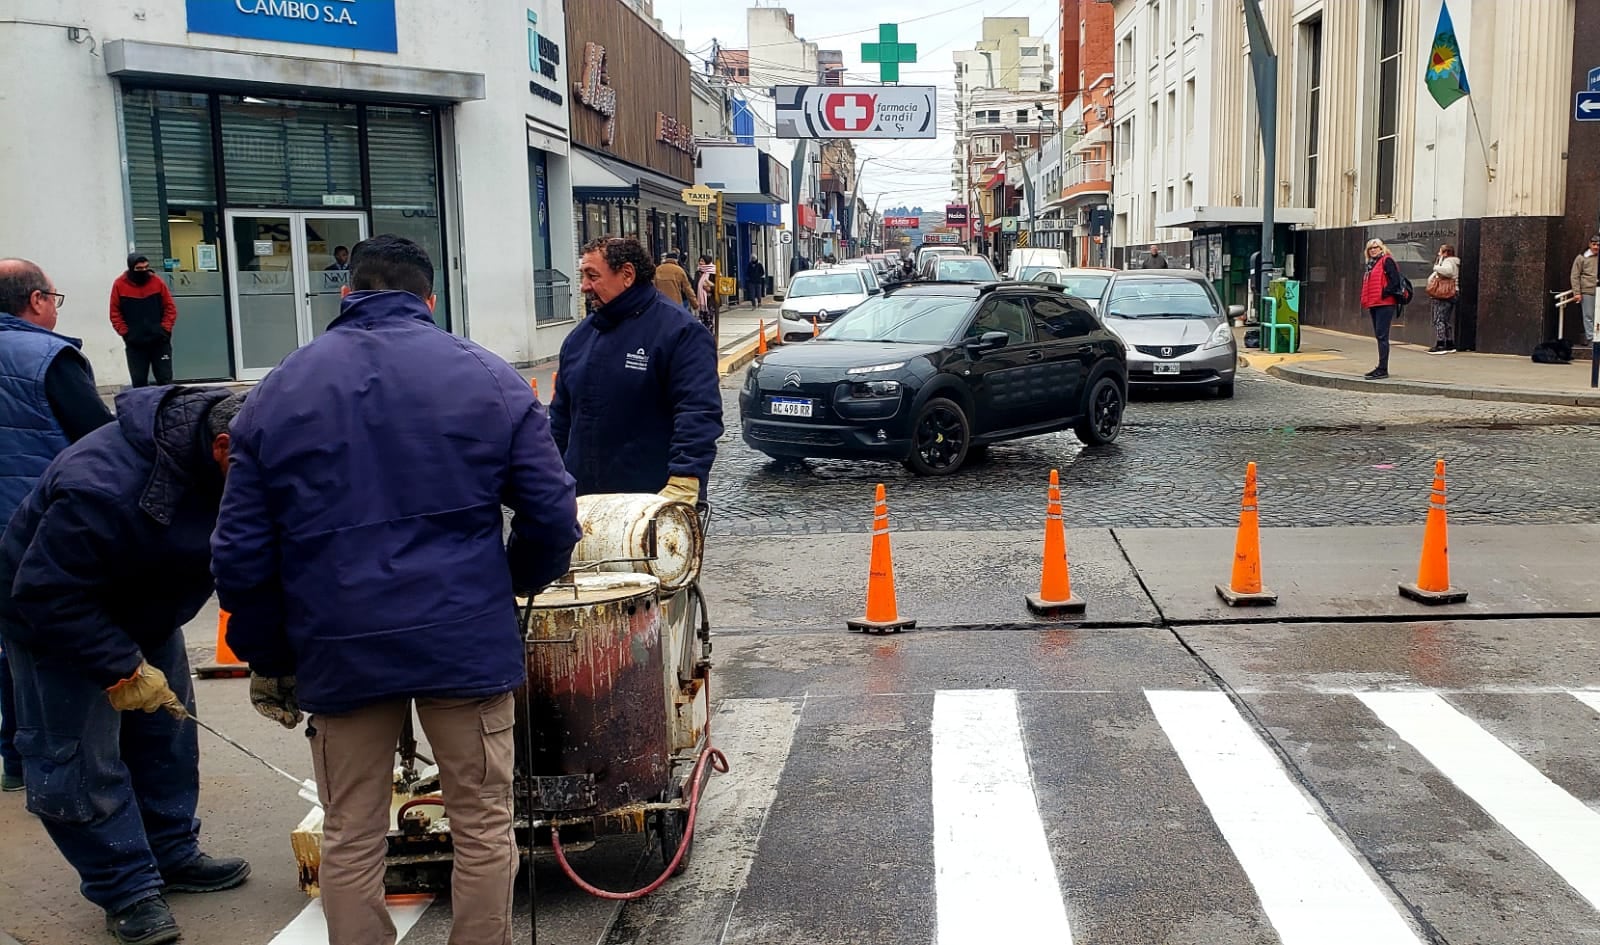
[{"x": 670, "y": 825}]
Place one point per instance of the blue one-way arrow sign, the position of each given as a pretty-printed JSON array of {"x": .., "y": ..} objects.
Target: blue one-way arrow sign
[{"x": 1586, "y": 106}]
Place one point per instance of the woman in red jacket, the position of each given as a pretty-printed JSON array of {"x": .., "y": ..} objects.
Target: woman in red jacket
[{"x": 1380, "y": 296}]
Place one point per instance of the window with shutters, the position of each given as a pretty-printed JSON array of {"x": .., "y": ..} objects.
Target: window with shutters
[
  {"x": 283, "y": 153},
  {"x": 403, "y": 170}
]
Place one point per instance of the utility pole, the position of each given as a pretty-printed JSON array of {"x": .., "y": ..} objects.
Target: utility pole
[{"x": 1264, "y": 67}]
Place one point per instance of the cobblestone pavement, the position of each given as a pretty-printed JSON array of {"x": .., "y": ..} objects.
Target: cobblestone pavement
[{"x": 1325, "y": 457}]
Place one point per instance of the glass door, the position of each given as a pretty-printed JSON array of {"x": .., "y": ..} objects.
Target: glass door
[{"x": 288, "y": 272}]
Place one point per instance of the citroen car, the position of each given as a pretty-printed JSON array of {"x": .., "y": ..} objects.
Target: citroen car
[
  {"x": 929, "y": 372},
  {"x": 1175, "y": 328},
  {"x": 821, "y": 294}
]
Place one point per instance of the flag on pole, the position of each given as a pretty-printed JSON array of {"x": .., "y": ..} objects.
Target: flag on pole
[{"x": 1447, "y": 73}]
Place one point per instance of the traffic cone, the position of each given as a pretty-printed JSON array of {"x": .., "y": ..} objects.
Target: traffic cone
[
  {"x": 534, "y": 383},
  {"x": 227, "y": 664},
  {"x": 883, "y": 615},
  {"x": 1055, "y": 583},
  {"x": 815, "y": 331},
  {"x": 1433, "y": 571},
  {"x": 761, "y": 337},
  {"x": 1244, "y": 588}
]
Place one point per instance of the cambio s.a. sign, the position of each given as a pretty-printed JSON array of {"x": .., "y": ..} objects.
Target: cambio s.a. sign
[{"x": 346, "y": 24}]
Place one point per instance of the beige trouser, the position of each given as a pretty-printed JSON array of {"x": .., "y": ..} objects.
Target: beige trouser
[{"x": 353, "y": 755}]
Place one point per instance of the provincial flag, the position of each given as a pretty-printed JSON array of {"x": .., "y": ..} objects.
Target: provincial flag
[{"x": 1447, "y": 73}]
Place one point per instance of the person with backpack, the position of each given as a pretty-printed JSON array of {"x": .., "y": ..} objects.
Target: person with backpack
[
  {"x": 1442, "y": 293},
  {"x": 1383, "y": 291}
]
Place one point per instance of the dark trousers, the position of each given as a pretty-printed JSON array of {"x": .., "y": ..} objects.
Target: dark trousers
[
  {"x": 116, "y": 790},
  {"x": 9, "y": 759},
  {"x": 153, "y": 357},
  {"x": 1382, "y": 318}
]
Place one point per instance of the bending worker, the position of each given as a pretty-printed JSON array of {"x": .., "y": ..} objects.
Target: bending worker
[
  {"x": 100, "y": 568},
  {"x": 636, "y": 407},
  {"x": 359, "y": 552}
]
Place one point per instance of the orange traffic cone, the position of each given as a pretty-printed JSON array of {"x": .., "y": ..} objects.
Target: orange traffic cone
[
  {"x": 227, "y": 664},
  {"x": 883, "y": 615},
  {"x": 534, "y": 383},
  {"x": 1433, "y": 571},
  {"x": 1244, "y": 588},
  {"x": 761, "y": 337},
  {"x": 1055, "y": 584},
  {"x": 815, "y": 331}
]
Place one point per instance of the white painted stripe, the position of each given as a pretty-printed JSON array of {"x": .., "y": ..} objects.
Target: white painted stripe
[
  {"x": 1588, "y": 697},
  {"x": 1314, "y": 890},
  {"x": 310, "y": 927},
  {"x": 994, "y": 876},
  {"x": 1546, "y": 819}
]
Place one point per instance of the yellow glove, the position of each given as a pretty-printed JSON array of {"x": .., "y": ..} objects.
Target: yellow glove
[
  {"x": 146, "y": 690},
  {"x": 685, "y": 489}
]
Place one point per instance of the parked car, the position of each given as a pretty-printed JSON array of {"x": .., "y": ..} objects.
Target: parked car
[
  {"x": 929, "y": 372},
  {"x": 823, "y": 294},
  {"x": 937, "y": 249},
  {"x": 1085, "y": 283},
  {"x": 1176, "y": 330},
  {"x": 944, "y": 268},
  {"x": 1026, "y": 261},
  {"x": 868, "y": 271}
]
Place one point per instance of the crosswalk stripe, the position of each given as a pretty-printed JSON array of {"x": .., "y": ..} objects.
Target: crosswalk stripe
[
  {"x": 995, "y": 878},
  {"x": 1312, "y": 888},
  {"x": 310, "y": 927},
  {"x": 1556, "y": 826},
  {"x": 1588, "y": 697}
]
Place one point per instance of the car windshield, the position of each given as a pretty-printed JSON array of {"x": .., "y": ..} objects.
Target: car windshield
[
  {"x": 1027, "y": 273},
  {"x": 1085, "y": 287},
  {"x": 977, "y": 269},
  {"x": 830, "y": 283},
  {"x": 906, "y": 319},
  {"x": 1159, "y": 298}
]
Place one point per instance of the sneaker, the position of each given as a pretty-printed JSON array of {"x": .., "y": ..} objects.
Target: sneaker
[
  {"x": 206, "y": 874},
  {"x": 1449, "y": 348},
  {"x": 11, "y": 781},
  {"x": 1436, "y": 349},
  {"x": 1377, "y": 374},
  {"x": 146, "y": 922}
]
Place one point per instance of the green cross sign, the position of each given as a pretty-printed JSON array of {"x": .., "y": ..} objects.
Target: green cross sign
[{"x": 888, "y": 52}]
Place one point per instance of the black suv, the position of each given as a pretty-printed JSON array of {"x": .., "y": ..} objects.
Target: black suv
[{"x": 927, "y": 372}]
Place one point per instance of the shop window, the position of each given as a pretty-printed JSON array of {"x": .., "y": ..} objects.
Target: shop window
[
  {"x": 280, "y": 153},
  {"x": 594, "y": 221},
  {"x": 552, "y": 289},
  {"x": 172, "y": 188},
  {"x": 403, "y": 171},
  {"x": 630, "y": 221}
]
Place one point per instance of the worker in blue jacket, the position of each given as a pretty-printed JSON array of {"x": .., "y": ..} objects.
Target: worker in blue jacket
[
  {"x": 101, "y": 566},
  {"x": 637, "y": 406},
  {"x": 359, "y": 553}
]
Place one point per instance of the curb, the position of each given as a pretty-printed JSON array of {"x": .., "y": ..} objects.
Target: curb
[
  {"x": 740, "y": 353},
  {"x": 1303, "y": 375}
]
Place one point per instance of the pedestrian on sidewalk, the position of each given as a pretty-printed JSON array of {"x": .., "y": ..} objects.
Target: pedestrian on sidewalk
[
  {"x": 144, "y": 314},
  {"x": 1584, "y": 271},
  {"x": 1381, "y": 289},
  {"x": 1442, "y": 288},
  {"x": 637, "y": 406},
  {"x": 1156, "y": 260},
  {"x": 755, "y": 282},
  {"x": 363, "y": 578},
  {"x": 102, "y": 565},
  {"x": 672, "y": 282},
  {"x": 48, "y": 402},
  {"x": 707, "y": 303}
]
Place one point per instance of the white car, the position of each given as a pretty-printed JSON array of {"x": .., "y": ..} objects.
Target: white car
[
  {"x": 937, "y": 249},
  {"x": 1027, "y": 261},
  {"x": 823, "y": 294},
  {"x": 1085, "y": 283},
  {"x": 868, "y": 270}
]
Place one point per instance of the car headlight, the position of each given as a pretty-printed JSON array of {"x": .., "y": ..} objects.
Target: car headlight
[
  {"x": 875, "y": 389},
  {"x": 877, "y": 368},
  {"x": 789, "y": 313},
  {"x": 1219, "y": 338}
]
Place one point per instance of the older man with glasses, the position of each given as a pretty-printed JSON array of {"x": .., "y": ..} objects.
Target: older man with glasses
[{"x": 47, "y": 402}]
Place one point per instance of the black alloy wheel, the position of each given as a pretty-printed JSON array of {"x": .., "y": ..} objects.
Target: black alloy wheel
[
  {"x": 1102, "y": 420},
  {"x": 941, "y": 438}
]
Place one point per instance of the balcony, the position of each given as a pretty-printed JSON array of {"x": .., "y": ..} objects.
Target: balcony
[{"x": 1086, "y": 180}]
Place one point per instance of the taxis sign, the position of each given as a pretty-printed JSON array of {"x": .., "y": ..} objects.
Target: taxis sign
[{"x": 699, "y": 196}]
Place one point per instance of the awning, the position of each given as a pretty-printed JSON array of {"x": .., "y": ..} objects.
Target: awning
[
  {"x": 1214, "y": 217},
  {"x": 597, "y": 178}
]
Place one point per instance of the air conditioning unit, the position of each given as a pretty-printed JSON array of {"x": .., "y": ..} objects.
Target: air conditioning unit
[
  {"x": 1100, "y": 112},
  {"x": 1080, "y": 128}
]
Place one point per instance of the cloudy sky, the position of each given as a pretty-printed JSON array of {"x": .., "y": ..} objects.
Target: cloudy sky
[{"x": 902, "y": 172}]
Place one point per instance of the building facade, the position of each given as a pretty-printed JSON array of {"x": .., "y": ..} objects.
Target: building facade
[{"x": 238, "y": 148}]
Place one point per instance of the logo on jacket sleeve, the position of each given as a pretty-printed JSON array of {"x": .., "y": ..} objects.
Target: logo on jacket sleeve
[{"x": 637, "y": 361}]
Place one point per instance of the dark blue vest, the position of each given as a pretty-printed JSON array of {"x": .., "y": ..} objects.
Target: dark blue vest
[{"x": 30, "y": 436}]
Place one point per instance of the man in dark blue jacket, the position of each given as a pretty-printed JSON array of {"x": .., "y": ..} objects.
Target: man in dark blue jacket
[
  {"x": 101, "y": 566},
  {"x": 47, "y": 402},
  {"x": 359, "y": 552},
  {"x": 636, "y": 406}
]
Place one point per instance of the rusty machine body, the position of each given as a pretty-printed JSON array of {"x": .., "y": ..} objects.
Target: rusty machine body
[{"x": 612, "y": 724}]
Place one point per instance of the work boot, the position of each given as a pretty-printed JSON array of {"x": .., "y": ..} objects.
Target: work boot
[
  {"x": 11, "y": 780},
  {"x": 146, "y": 922},
  {"x": 205, "y": 874}
]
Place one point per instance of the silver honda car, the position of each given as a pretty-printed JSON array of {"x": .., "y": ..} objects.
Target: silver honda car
[{"x": 1175, "y": 328}]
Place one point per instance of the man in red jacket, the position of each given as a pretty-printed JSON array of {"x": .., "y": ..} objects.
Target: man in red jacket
[{"x": 143, "y": 313}]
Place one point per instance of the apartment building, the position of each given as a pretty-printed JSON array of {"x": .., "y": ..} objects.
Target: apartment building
[
  {"x": 1364, "y": 151},
  {"x": 1083, "y": 192}
]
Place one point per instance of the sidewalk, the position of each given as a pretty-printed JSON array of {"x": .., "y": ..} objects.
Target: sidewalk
[{"x": 1338, "y": 360}]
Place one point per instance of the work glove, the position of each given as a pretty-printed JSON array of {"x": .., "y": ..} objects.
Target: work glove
[
  {"x": 273, "y": 697},
  {"x": 685, "y": 489},
  {"x": 146, "y": 690}
]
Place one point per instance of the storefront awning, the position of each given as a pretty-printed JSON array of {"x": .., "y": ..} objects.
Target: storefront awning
[
  {"x": 602, "y": 179},
  {"x": 225, "y": 70},
  {"x": 1217, "y": 217}
]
